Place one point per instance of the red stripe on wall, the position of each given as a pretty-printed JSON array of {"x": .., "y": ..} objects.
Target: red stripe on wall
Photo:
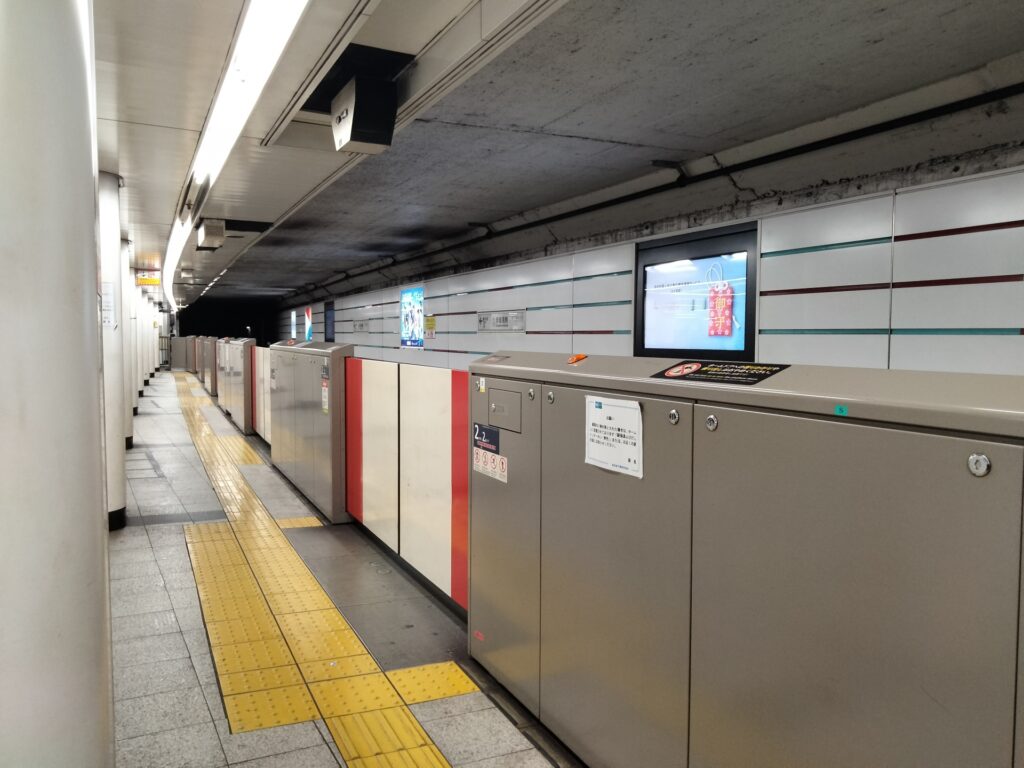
[
  {"x": 460, "y": 488},
  {"x": 354, "y": 437},
  {"x": 960, "y": 230},
  {"x": 252, "y": 387}
]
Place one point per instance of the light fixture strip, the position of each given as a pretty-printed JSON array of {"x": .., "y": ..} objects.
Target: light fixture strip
[
  {"x": 262, "y": 37},
  {"x": 266, "y": 28}
]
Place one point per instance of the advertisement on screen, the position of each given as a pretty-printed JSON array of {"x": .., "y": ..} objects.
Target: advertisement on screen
[
  {"x": 696, "y": 304},
  {"x": 309, "y": 324},
  {"x": 411, "y": 317}
]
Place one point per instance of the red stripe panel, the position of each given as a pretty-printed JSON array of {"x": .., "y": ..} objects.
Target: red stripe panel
[
  {"x": 252, "y": 386},
  {"x": 354, "y": 437},
  {"x": 460, "y": 488}
]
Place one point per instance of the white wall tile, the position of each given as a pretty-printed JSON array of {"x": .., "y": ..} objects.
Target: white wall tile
[
  {"x": 614, "y": 258},
  {"x": 990, "y": 305},
  {"x": 867, "y": 351},
  {"x": 843, "y": 309},
  {"x": 607, "y": 288},
  {"x": 864, "y": 219},
  {"x": 996, "y": 252},
  {"x": 840, "y": 266},
  {"x": 973, "y": 354},
  {"x": 967, "y": 203}
]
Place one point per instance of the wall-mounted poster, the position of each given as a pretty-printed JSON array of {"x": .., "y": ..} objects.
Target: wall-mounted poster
[
  {"x": 309, "y": 324},
  {"x": 294, "y": 331},
  {"x": 411, "y": 316}
]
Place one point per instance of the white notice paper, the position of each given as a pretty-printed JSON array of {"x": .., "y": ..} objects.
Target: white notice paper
[
  {"x": 615, "y": 435},
  {"x": 107, "y": 305}
]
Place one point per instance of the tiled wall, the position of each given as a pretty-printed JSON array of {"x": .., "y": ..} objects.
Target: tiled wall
[
  {"x": 927, "y": 278},
  {"x": 575, "y": 303}
]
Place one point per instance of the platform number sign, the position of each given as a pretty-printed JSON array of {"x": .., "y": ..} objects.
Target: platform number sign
[{"x": 487, "y": 458}]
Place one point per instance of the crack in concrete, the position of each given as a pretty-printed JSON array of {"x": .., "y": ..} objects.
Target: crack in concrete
[{"x": 552, "y": 134}]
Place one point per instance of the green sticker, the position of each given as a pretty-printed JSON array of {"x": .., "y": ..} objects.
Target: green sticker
[{"x": 842, "y": 410}]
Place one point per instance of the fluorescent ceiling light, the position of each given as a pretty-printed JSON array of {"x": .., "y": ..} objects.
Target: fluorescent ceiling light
[
  {"x": 175, "y": 245},
  {"x": 265, "y": 30}
]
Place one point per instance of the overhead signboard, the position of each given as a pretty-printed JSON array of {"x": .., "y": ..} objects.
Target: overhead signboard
[{"x": 147, "y": 278}]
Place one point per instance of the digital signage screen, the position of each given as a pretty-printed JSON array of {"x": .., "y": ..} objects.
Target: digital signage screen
[
  {"x": 695, "y": 298},
  {"x": 411, "y": 317}
]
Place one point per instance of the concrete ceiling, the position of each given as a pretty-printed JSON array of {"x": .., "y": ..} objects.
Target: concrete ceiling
[
  {"x": 589, "y": 98},
  {"x": 580, "y": 102}
]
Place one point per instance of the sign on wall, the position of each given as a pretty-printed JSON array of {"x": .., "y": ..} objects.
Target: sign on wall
[
  {"x": 308, "y": 335},
  {"x": 294, "y": 332},
  {"x": 411, "y": 316},
  {"x": 505, "y": 321}
]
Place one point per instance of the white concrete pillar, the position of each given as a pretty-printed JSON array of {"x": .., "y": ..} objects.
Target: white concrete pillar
[
  {"x": 127, "y": 281},
  {"x": 133, "y": 324},
  {"x": 55, "y": 667},
  {"x": 112, "y": 324}
]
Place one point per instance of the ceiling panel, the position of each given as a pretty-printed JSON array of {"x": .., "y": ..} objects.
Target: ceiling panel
[{"x": 157, "y": 67}]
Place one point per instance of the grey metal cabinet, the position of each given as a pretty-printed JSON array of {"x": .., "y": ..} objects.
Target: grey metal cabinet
[
  {"x": 504, "y": 549},
  {"x": 307, "y": 412},
  {"x": 855, "y": 595},
  {"x": 615, "y": 571}
]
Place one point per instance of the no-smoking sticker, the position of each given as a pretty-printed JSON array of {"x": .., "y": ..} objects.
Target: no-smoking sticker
[{"x": 491, "y": 464}]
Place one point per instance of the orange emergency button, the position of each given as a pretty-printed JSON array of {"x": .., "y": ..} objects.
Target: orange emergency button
[{"x": 577, "y": 359}]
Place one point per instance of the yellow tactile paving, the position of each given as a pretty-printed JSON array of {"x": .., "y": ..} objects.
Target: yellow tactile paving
[
  {"x": 298, "y": 522},
  {"x": 367, "y": 734},
  {"x": 225, "y": 610},
  {"x": 430, "y": 682},
  {"x": 266, "y": 709},
  {"x": 259, "y": 654},
  {"x": 332, "y": 669},
  {"x": 282, "y": 650},
  {"x": 298, "y": 583},
  {"x": 336, "y": 644},
  {"x": 420, "y": 757},
  {"x": 349, "y": 695},
  {"x": 244, "y": 630},
  {"x": 260, "y": 680},
  {"x": 299, "y": 602},
  {"x": 312, "y": 622}
]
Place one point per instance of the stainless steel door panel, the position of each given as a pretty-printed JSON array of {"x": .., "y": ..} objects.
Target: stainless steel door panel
[
  {"x": 504, "y": 552},
  {"x": 615, "y": 571},
  {"x": 321, "y": 440},
  {"x": 855, "y": 596}
]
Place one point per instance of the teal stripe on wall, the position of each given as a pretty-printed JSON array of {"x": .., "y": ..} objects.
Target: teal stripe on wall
[
  {"x": 957, "y": 331},
  {"x": 828, "y": 247}
]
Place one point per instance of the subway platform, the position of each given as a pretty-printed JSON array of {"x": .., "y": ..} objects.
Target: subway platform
[{"x": 247, "y": 632}]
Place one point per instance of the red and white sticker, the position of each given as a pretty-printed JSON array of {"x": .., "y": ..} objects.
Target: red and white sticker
[{"x": 491, "y": 464}]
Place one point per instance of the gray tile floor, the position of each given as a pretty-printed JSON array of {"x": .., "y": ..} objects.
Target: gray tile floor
[
  {"x": 168, "y": 710},
  {"x": 167, "y": 482}
]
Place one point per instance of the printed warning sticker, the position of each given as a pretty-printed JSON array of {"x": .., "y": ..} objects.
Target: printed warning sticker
[
  {"x": 720, "y": 373},
  {"x": 491, "y": 464},
  {"x": 324, "y": 395}
]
